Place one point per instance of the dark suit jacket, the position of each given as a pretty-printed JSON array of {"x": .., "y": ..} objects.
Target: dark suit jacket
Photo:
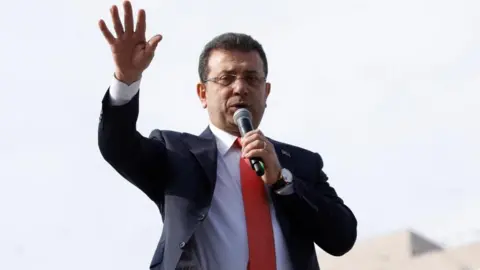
[{"x": 177, "y": 172}]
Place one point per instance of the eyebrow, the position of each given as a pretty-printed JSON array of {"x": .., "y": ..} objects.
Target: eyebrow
[{"x": 230, "y": 71}]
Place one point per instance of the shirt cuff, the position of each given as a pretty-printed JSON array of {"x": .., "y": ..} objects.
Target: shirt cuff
[{"x": 121, "y": 93}]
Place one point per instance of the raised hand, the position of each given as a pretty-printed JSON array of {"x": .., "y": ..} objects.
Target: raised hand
[{"x": 132, "y": 54}]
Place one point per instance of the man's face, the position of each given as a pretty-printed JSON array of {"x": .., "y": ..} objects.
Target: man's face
[{"x": 235, "y": 80}]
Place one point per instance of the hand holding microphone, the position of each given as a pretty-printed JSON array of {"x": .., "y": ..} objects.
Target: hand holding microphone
[{"x": 257, "y": 148}]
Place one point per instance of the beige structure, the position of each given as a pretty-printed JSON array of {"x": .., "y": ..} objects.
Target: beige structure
[{"x": 404, "y": 251}]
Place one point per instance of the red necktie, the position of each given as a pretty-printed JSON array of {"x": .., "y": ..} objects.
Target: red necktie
[{"x": 261, "y": 243}]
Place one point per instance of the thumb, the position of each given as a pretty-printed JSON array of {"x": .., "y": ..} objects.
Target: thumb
[{"x": 152, "y": 43}]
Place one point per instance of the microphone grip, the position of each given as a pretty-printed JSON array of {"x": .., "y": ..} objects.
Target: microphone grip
[
  {"x": 245, "y": 125},
  {"x": 258, "y": 166}
]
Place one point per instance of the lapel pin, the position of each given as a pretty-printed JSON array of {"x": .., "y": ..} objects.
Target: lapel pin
[{"x": 285, "y": 153}]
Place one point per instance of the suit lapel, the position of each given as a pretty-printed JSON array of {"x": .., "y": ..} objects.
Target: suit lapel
[{"x": 204, "y": 148}]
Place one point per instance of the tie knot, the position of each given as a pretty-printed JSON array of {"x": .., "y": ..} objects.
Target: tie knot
[{"x": 237, "y": 143}]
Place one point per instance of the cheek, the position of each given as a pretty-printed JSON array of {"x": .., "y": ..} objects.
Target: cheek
[
  {"x": 217, "y": 100},
  {"x": 222, "y": 99},
  {"x": 259, "y": 98}
]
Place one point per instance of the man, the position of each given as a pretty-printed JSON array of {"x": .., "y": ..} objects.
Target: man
[{"x": 217, "y": 213}]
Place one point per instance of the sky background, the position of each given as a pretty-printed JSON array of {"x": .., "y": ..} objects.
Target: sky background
[{"x": 386, "y": 91}]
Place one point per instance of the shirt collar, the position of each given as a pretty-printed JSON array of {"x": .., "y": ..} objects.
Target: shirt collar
[{"x": 224, "y": 140}]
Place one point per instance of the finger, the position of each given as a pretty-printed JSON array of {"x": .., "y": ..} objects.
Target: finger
[
  {"x": 141, "y": 25},
  {"x": 257, "y": 144},
  {"x": 106, "y": 33},
  {"x": 252, "y": 132},
  {"x": 128, "y": 17},
  {"x": 117, "y": 24},
  {"x": 152, "y": 44},
  {"x": 252, "y": 136},
  {"x": 258, "y": 153}
]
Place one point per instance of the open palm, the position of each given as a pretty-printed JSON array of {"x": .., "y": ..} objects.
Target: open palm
[{"x": 132, "y": 54}]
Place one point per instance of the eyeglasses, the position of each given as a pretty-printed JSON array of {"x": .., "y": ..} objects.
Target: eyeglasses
[{"x": 227, "y": 79}]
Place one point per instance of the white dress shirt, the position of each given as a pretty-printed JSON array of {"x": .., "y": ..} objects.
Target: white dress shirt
[{"x": 222, "y": 237}]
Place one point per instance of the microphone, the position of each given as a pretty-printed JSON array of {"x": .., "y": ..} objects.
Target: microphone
[{"x": 243, "y": 119}]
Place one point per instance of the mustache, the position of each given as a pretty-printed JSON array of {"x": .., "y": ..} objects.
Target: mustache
[{"x": 238, "y": 104}]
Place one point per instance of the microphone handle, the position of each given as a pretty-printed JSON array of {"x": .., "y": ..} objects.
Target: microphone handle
[
  {"x": 258, "y": 166},
  {"x": 257, "y": 163}
]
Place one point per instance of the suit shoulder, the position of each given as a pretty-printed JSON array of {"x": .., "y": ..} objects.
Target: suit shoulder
[
  {"x": 296, "y": 150},
  {"x": 160, "y": 134},
  {"x": 171, "y": 136},
  {"x": 292, "y": 147}
]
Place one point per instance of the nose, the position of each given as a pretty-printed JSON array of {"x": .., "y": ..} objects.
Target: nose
[{"x": 240, "y": 87}]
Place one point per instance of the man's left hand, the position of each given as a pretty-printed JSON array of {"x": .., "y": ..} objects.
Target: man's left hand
[{"x": 255, "y": 144}]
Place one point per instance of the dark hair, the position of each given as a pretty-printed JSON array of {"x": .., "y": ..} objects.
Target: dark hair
[{"x": 230, "y": 42}]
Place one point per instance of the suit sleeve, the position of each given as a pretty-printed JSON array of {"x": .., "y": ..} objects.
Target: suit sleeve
[
  {"x": 137, "y": 158},
  {"x": 321, "y": 212}
]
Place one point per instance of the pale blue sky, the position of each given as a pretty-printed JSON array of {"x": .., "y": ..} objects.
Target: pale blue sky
[{"x": 386, "y": 91}]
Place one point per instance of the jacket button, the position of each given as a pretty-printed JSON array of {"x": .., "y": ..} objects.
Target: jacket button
[{"x": 182, "y": 244}]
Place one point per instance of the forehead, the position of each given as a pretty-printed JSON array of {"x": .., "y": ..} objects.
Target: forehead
[{"x": 236, "y": 61}]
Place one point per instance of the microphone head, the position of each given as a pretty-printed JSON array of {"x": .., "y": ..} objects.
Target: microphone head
[
  {"x": 243, "y": 120},
  {"x": 241, "y": 113}
]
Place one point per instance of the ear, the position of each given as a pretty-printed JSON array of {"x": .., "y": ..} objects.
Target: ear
[
  {"x": 202, "y": 94},
  {"x": 267, "y": 92}
]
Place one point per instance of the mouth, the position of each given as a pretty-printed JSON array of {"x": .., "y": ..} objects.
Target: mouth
[{"x": 237, "y": 106}]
